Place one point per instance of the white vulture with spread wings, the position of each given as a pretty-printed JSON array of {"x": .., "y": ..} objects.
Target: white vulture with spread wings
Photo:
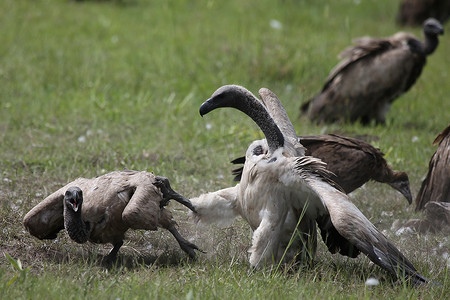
[{"x": 281, "y": 188}]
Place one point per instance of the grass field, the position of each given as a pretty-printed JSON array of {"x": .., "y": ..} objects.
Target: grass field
[{"x": 91, "y": 87}]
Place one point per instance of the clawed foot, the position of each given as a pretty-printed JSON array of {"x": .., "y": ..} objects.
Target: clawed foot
[
  {"x": 185, "y": 245},
  {"x": 110, "y": 259},
  {"x": 168, "y": 193},
  {"x": 189, "y": 248}
]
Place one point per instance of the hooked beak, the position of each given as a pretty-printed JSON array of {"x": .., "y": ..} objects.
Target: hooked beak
[
  {"x": 206, "y": 107},
  {"x": 404, "y": 189}
]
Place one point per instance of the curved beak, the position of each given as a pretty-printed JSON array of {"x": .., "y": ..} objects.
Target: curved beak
[
  {"x": 206, "y": 107},
  {"x": 404, "y": 189}
]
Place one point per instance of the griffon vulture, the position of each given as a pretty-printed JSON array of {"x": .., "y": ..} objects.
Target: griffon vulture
[
  {"x": 279, "y": 188},
  {"x": 436, "y": 186},
  {"x": 372, "y": 74},
  {"x": 102, "y": 209}
]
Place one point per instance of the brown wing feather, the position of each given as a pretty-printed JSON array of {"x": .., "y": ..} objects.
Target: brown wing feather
[
  {"x": 350, "y": 229},
  {"x": 364, "y": 47},
  {"x": 436, "y": 185},
  {"x": 351, "y": 94},
  {"x": 353, "y": 161}
]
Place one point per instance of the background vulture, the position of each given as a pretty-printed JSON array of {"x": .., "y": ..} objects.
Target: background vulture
[
  {"x": 414, "y": 12},
  {"x": 436, "y": 186},
  {"x": 372, "y": 74}
]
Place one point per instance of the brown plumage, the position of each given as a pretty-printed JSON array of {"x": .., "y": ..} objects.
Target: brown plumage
[
  {"x": 414, "y": 12},
  {"x": 352, "y": 161},
  {"x": 372, "y": 74},
  {"x": 436, "y": 186},
  {"x": 437, "y": 219},
  {"x": 102, "y": 209}
]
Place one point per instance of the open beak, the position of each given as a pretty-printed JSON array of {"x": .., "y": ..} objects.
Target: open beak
[{"x": 75, "y": 206}]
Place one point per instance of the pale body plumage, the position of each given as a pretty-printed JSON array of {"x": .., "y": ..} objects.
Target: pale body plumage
[
  {"x": 113, "y": 203},
  {"x": 278, "y": 185},
  {"x": 352, "y": 161}
]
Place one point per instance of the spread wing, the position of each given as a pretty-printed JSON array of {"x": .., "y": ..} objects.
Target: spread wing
[{"x": 345, "y": 227}]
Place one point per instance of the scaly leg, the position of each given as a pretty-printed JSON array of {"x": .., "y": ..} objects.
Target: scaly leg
[
  {"x": 112, "y": 255},
  {"x": 185, "y": 245}
]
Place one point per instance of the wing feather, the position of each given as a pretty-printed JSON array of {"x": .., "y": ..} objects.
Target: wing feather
[{"x": 349, "y": 222}]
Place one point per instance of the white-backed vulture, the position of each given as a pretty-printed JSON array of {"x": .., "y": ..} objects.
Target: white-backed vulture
[
  {"x": 352, "y": 161},
  {"x": 102, "y": 209},
  {"x": 372, "y": 74},
  {"x": 279, "y": 189},
  {"x": 436, "y": 186}
]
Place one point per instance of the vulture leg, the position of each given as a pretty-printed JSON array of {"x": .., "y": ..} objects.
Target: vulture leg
[
  {"x": 308, "y": 237},
  {"x": 185, "y": 245},
  {"x": 166, "y": 221},
  {"x": 168, "y": 193},
  {"x": 112, "y": 255}
]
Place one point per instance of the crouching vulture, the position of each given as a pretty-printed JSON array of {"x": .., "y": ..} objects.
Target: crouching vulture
[
  {"x": 102, "y": 209},
  {"x": 436, "y": 186},
  {"x": 282, "y": 191},
  {"x": 372, "y": 74}
]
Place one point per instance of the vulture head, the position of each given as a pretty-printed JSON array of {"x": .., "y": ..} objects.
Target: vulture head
[
  {"x": 73, "y": 199},
  {"x": 401, "y": 184},
  {"x": 432, "y": 26},
  {"x": 77, "y": 229},
  {"x": 238, "y": 97},
  {"x": 431, "y": 29}
]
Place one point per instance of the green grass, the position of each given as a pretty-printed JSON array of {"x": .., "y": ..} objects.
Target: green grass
[{"x": 91, "y": 87}]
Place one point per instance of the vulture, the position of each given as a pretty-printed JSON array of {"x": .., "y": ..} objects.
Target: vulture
[
  {"x": 414, "y": 12},
  {"x": 372, "y": 74},
  {"x": 437, "y": 219},
  {"x": 352, "y": 161},
  {"x": 436, "y": 185},
  {"x": 102, "y": 209},
  {"x": 283, "y": 193}
]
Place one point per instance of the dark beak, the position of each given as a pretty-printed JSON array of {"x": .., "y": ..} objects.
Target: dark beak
[{"x": 206, "y": 107}]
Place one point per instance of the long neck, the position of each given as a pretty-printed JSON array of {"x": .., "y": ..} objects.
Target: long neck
[
  {"x": 243, "y": 100},
  {"x": 255, "y": 110},
  {"x": 430, "y": 44},
  {"x": 77, "y": 229}
]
